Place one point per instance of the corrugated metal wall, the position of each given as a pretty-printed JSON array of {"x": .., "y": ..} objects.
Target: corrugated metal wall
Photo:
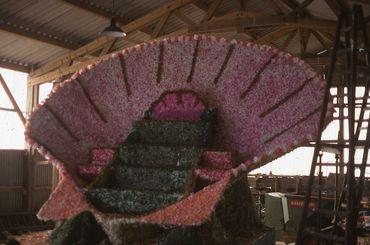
[{"x": 13, "y": 182}]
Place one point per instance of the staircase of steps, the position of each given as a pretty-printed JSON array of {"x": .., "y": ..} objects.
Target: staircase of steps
[
  {"x": 100, "y": 158},
  {"x": 154, "y": 167}
]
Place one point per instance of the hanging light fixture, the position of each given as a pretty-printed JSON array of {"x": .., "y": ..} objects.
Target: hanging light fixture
[{"x": 113, "y": 30}]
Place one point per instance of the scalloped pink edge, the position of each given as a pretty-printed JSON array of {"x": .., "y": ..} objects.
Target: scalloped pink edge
[{"x": 257, "y": 160}]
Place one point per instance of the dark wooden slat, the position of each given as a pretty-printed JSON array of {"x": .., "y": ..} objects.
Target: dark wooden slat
[
  {"x": 226, "y": 60},
  {"x": 124, "y": 73},
  {"x": 286, "y": 98},
  {"x": 38, "y": 34},
  {"x": 257, "y": 77},
  {"x": 92, "y": 103},
  {"x": 193, "y": 62},
  {"x": 60, "y": 121},
  {"x": 160, "y": 63},
  {"x": 293, "y": 125}
]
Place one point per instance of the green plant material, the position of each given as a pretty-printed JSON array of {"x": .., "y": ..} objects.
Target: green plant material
[
  {"x": 134, "y": 178},
  {"x": 159, "y": 156},
  {"x": 170, "y": 133},
  {"x": 130, "y": 202},
  {"x": 81, "y": 229}
]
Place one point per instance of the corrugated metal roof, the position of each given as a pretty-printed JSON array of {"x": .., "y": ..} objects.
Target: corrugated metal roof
[{"x": 78, "y": 26}]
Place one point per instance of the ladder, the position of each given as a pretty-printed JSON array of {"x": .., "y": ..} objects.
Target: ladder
[{"x": 342, "y": 227}]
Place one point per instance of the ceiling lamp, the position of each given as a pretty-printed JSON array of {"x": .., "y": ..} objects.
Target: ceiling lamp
[{"x": 113, "y": 30}]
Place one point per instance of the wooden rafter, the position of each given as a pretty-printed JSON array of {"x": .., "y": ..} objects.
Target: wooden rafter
[
  {"x": 266, "y": 21},
  {"x": 323, "y": 42},
  {"x": 183, "y": 17},
  {"x": 301, "y": 7},
  {"x": 211, "y": 10},
  {"x": 65, "y": 59},
  {"x": 276, "y": 6},
  {"x": 45, "y": 36},
  {"x": 242, "y": 4},
  {"x": 108, "y": 47},
  {"x": 200, "y": 6},
  {"x": 12, "y": 100},
  {"x": 288, "y": 39},
  {"x": 14, "y": 65},
  {"x": 99, "y": 10},
  {"x": 100, "y": 42},
  {"x": 161, "y": 23},
  {"x": 273, "y": 36},
  {"x": 304, "y": 35},
  {"x": 334, "y": 6},
  {"x": 55, "y": 74}
]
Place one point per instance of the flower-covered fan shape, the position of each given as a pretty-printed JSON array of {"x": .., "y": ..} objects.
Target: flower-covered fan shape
[{"x": 268, "y": 103}]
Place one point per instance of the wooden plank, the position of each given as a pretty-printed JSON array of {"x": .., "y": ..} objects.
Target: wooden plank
[
  {"x": 15, "y": 66},
  {"x": 31, "y": 101},
  {"x": 211, "y": 10},
  {"x": 7, "y": 109},
  {"x": 301, "y": 7},
  {"x": 96, "y": 9},
  {"x": 12, "y": 100},
  {"x": 73, "y": 68},
  {"x": 100, "y": 42},
  {"x": 333, "y": 5},
  {"x": 155, "y": 14},
  {"x": 11, "y": 188},
  {"x": 159, "y": 27},
  {"x": 325, "y": 44},
  {"x": 288, "y": 40},
  {"x": 66, "y": 59},
  {"x": 241, "y": 4},
  {"x": 108, "y": 47},
  {"x": 39, "y": 35},
  {"x": 273, "y": 36},
  {"x": 99, "y": 10},
  {"x": 183, "y": 17}
]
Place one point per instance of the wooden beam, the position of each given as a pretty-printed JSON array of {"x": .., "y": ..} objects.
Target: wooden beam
[
  {"x": 108, "y": 47},
  {"x": 242, "y": 4},
  {"x": 319, "y": 38},
  {"x": 183, "y": 17},
  {"x": 273, "y": 36},
  {"x": 288, "y": 39},
  {"x": 200, "y": 6},
  {"x": 12, "y": 100},
  {"x": 161, "y": 23},
  {"x": 265, "y": 21},
  {"x": 97, "y": 9},
  {"x": 14, "y": 65},
  {"x": 7, "y": 109},
  {"x": 67, "y": 58},
  {"x": 211, "y": 10},
  {"x": 40, "y": 35},
  {"x": 276, "y": 6},
  {"x": 301, "y": 7},
  {"x": 334, "y": 6},
  {"x": 155, "y": 14},
  {"x": 50, "y": 76},
  {"x": 100, "y": 42}
]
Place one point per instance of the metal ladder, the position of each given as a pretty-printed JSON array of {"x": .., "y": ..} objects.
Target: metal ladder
[{"x": 347, "y": 203}]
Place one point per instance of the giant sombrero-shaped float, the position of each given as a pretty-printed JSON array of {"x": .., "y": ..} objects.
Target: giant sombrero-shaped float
[{"x": 157, "y": 139}]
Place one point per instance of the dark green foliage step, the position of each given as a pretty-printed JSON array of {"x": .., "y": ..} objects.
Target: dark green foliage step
[
  {"x": 159, "y": 156},
  {"x": 81, "y": 229},
  {"x": 129, "y": 201},
  {"x": 170, "y": 133},
  {"x": 152, "y": 179}
]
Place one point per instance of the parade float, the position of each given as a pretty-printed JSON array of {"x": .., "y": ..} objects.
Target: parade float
[{"x": 154, "y": 143}]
